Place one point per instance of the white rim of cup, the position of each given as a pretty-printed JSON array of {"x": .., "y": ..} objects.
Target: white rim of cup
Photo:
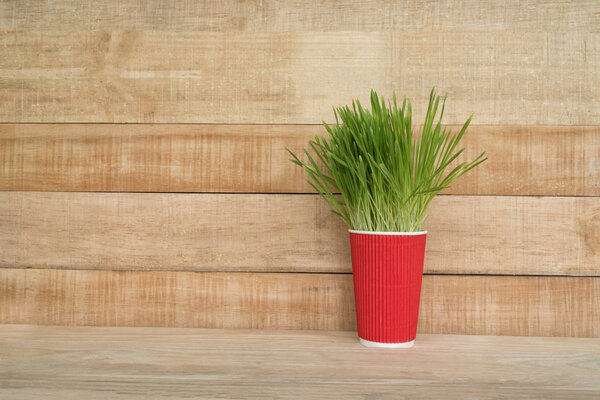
[
  {"x": 403, "y": 345},
  {"x": 389, "y": 233}
]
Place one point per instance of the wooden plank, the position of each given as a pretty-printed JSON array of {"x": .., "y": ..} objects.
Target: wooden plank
[
  {"x": 330, "y": 15},
  {"x": 176, "y": 299},
  {"x": 542, "y": 160},
  {"x": 142, "y": 363},
  {"x": 521, "y": 306},
  {"x": 480, "y": 305},
  {"x": 155, "y": 158},
  {"x": 64, "y": 75},
  {"x": 256, "y": 232}
]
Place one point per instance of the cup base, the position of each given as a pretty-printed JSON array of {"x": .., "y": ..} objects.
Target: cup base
[{"x": 404, "y": 345}]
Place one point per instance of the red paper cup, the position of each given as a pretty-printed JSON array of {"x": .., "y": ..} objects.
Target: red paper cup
[{"x": 387, "y": 268}]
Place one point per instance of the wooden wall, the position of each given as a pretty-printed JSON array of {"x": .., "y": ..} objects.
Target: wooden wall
[{"x": 144, "y": 179}]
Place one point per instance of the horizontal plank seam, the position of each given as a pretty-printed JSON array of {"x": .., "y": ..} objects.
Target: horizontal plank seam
[
  {"x": 267, "y": 124},
  {"x": 220, "y": 271},
  {"x": 286, "y": 193}
]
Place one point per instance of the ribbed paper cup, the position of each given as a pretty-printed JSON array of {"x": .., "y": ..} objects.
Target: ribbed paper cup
[{"x": 387, "y": 268}]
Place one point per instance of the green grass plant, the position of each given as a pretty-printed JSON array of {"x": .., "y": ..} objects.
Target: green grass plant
[{"x": 385, "y": 174}]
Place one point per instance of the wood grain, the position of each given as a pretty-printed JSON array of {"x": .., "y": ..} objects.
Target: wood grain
[
  {"x": 143, "y": 363},
  {"x": 256, "y": 232},
  {"x": 329, "y": 15},
  {"x": 480, "y": 305},
  {"x": 542, "y": 160},
  {"x": 176, "y": 299},
  {"x": 66, "y": 75}
]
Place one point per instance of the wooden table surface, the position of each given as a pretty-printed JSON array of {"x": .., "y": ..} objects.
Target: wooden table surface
[{"x": 42, "y": 362}]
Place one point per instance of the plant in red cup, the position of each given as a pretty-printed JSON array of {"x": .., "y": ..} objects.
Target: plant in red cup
[{"x": 380, "y": 177}]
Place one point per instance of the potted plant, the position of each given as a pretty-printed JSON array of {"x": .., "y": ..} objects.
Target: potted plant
[{"x": 386, "y": 176}]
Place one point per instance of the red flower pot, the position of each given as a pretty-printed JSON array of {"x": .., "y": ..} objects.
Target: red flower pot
[{"x": 387, "y": 268}]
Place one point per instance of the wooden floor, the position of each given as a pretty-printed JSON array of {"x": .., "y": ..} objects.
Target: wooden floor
[{"x": 154, "y": 363}]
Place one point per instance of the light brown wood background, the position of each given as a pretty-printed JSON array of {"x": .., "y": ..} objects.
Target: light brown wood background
[{"x": 145, "y": 181}]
